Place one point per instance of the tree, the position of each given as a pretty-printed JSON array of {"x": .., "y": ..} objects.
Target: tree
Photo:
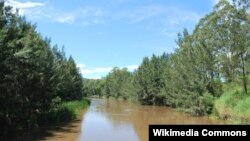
[
  {"x": 148, "y": 81},
  {"x": 69, "y": 86},
  {"x": 242, "y": 23},
  {"x": 222, "y": 35},
  {"x": 30, "y": 75},
  {"x": 94, "y": 87},
  {"x": 118, "y": 84}
]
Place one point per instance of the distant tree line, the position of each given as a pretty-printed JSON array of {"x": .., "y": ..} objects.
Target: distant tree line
[
  {"x": 34, "y": 76},
  {"x": 194, "y": 75}
]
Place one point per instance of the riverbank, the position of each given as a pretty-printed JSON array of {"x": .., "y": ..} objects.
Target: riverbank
[
  {"x": 63, "y": 122},
  {"x": 69, "y": 132},
  {"x": 65, "y": 112},
  {"x": 233, "y": 105}
]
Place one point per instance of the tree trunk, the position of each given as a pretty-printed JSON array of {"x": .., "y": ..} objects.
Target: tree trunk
[{"x": 243, "y": 73}]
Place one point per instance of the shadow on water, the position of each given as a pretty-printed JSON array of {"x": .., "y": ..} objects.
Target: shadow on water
[{"x": 67, "y": 131}]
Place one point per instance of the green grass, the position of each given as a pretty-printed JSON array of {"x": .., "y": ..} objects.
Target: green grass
[
  {"x": 242, "y": 110},
  {"x": 233, "y": 106},
  {"x": 66, "y": 111}
]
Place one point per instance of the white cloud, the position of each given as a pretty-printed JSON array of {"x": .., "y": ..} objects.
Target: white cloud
[
  {"x": 158, "y": 13},
  {"x": 179, "y": 16},
  {"x": 140, "y": 14},
  {"x": 178, "y": 20},
  {"x": 48, "y": 12},
  {"x": 99, "y": 72},
  {"x": 163, "y": 19},
  {"x": 132, "y": 67},
  {"x": 169, "y": 32},
  {"x": 24, "y": 7},
  {"x": 83, "y": 16},
  {"x": 70, "y": 19},
  {"x": 80, "y": 65},
  {"x": 86, "y": 71},
  {"x": 93, "y": 15}
]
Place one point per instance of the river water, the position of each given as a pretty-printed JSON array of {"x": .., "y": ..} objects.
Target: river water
[{"x": 113, "y": 120}]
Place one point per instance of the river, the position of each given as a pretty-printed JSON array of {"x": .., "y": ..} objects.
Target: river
[{"x": 113, "y": 120}]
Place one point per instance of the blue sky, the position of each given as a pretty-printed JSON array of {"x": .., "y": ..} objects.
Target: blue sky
[{"x": 102, "y": 34}]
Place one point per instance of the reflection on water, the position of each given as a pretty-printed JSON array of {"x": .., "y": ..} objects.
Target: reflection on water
[{"x": 113, "y": 120}]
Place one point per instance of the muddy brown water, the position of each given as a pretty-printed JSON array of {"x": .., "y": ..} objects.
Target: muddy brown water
[{"x": 113, "y": 120}]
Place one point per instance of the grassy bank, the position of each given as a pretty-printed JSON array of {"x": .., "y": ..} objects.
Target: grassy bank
[
  {"x": 56, "y": 119},
  {"x": 233, "y": 105},
  {"x": 66, "y": 111}
]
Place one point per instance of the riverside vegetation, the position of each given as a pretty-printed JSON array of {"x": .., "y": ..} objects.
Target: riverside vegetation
[
  {"x": 39, "y": 85},
  {"x": 207, "y": 74}
]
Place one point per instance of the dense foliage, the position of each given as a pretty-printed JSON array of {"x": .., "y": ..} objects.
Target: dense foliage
[
  {"x": 214, "y": 56},
  {"x": 118, "y": 84},
  {"x": 34, "y": 78},
  {"x": 93, "y": 87}
]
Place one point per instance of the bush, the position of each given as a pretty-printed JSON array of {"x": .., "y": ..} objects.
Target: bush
[
  {"x": 208, "y": 102},
  {"x": 233, "y": 105},
  {"x": 242, "y": 110},
  {"x": 66, "y": 111}
]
